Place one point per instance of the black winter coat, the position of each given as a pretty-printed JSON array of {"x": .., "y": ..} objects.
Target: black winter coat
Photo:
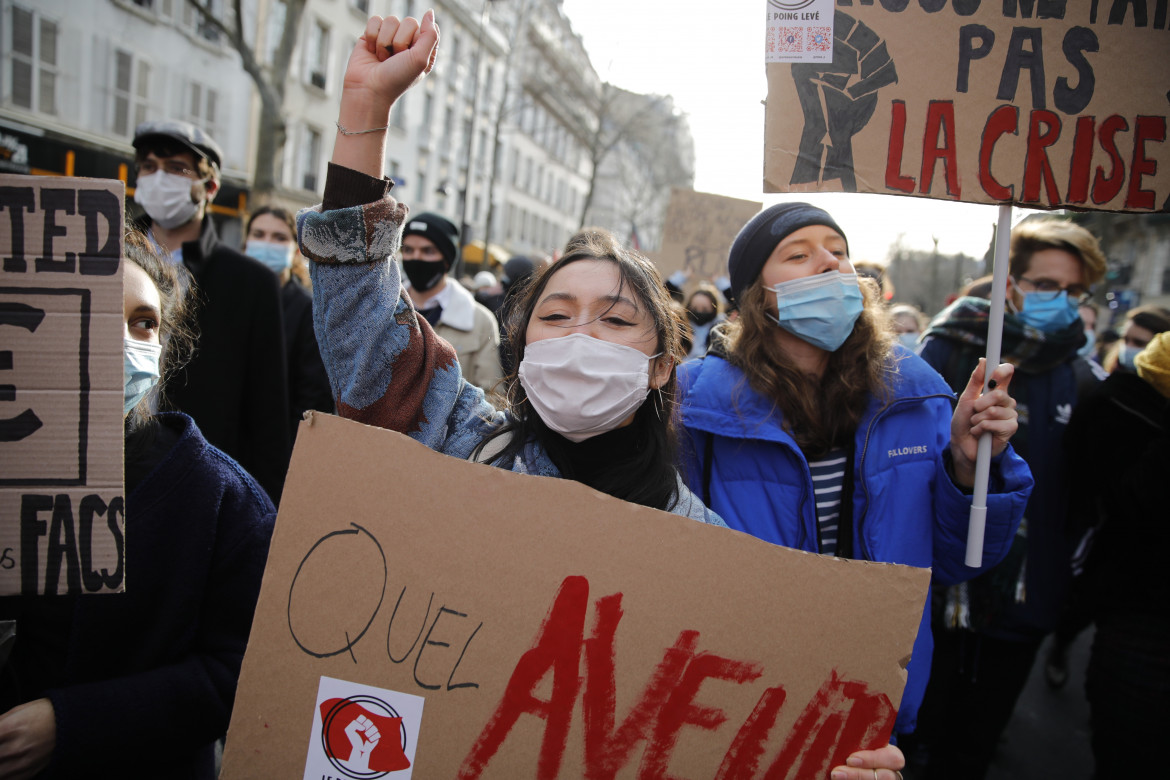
[{"x": 236, "y": 385}]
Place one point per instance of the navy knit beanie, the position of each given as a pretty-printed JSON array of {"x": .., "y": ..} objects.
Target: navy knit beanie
[
  {"x": 440, "y": 231},
  {"x": 763, "y": 233}
]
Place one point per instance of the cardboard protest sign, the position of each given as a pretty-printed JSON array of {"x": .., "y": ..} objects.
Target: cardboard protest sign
[
  {"x": 62, "y": 516},
  {"x": 698, "y": 232},
  {"x": 451, "y": 619},
  {"x": 1041, "y": 103}
]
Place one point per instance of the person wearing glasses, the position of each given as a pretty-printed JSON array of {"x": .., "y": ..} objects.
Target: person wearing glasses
[
  {"x": 987, "y": 631},
  {"x": 236, "y": 385}
]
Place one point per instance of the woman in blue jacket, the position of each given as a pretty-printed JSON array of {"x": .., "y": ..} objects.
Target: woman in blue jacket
[{"x": 809, "y": 427}]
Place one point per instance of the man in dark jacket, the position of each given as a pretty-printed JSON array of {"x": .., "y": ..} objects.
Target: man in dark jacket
[
  {"x": 236, "y": 384},
  {"x": 987, "y": 631}
]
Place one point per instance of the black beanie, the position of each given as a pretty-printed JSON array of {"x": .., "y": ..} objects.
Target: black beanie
[
  {"x": 440, "y": 231},
  {"x": 763, "y": 233}
]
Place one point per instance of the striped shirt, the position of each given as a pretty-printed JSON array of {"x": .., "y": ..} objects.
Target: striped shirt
[{"x": 828, "y": 476}]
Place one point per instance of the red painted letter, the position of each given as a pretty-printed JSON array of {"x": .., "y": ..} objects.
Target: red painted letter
[
  {"x": 1043, "y": 131},
  {"x": 940, "y": 118},
  {"x": 1145, "y": 128},
  {"x": 1105, "y": 188},
  {"x": 843, "y": 714},
  {"x": 894, "y": 178},
  {"x": 1005, "y": 119},
  {"x": 607, "y": 750},
  {"x": 680, "y": 709},
  {"x": 743, "y": 757},
  {"x": 557, "y": 648},
  {"x": 1082, "y": 160}
]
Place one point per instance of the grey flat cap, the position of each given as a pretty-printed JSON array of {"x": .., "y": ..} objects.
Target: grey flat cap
[{"x": 185, "y": 133}]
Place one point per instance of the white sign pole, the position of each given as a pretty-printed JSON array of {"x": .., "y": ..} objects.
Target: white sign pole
[{"x": 1003, "y": 233}]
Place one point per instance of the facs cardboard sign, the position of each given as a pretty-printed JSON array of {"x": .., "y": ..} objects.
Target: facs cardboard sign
[
  {"x": 426, "y": 617},
  {"x": 1040, "y": 103},
  {"x": 698, "y": 233},
  {"x": 62, "y": 514}
]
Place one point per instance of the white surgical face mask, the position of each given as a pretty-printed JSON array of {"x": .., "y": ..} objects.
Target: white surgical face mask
[
  {"x": 166, "y": 198},
  {"x": 140, "y": 371},
  {"x": 582, "y": 386}
]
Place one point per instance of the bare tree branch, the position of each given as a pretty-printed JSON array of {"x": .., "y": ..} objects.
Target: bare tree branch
[{"x": 270, "y": 82}]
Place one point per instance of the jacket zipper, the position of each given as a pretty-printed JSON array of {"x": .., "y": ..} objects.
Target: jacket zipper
[{"x": 857, "y": 521}]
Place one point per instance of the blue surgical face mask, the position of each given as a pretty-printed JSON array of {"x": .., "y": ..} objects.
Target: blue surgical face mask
[
  {"x": 909, "y": 340},
  {"x": 1090, "y": 343},
  {"x": 278, "y": 257},
  {"x": 1047, "y": 311},
  {"x": 140, "y": 371},
  {"x": 1126, "y": 355},
  {"x": 819, "y": 309}
]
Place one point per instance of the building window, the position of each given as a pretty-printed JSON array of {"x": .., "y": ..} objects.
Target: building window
[
  {"x": 454, "y": 69},
  {"x": 131, "y": 92},
  {"x": 202, "y": 107},
  {"x": 317, "y": 55},
  {"x": 275, "y": 29},
  {"x": 361, "y": 5},
  {"x": 310, "y": 159},
  {"x": 482, "y": 160},
  {"x": 196, "y": 22},
  {"x": 428, "y": 104},
  {"x": 33, "y": 61}
]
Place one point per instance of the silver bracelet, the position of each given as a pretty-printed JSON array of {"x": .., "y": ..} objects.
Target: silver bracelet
[{"x": 346, "y": 131}]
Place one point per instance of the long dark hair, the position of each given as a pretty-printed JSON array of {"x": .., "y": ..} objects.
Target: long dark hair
[
  {"x": 176, "y": 334},
  {"x": 645, "y": 473}
]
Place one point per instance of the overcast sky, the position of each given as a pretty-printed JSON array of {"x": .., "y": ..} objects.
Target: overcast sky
[{"x": 712, "y": 63}]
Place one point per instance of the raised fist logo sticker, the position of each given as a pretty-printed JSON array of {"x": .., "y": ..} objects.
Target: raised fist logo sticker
[
  {"x": 352, "y": 736},
  {"x": 838, "y": 99},
  {"x": 362, "y": 732}
]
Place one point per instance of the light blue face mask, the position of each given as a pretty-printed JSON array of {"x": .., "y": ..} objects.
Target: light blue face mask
[
  {"x": 820, "y": 309},
  {"x": 1090, "y": 343},
  {"x": 1126, "y": 356},
  {"x": 278, "y": 257},
  {"x": 1048, "y": 311},
  {"x": 909, "y": 340},
  {"x": 140, "y": 371}
]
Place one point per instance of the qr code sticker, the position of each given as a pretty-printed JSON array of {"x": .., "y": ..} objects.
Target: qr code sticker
[
  {"x": 789, "y": 39},
  {"x": 820, "y": 39}
]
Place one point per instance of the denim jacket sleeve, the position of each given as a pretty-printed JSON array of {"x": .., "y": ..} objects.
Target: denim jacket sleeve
[{"x": 386, "y": 366}]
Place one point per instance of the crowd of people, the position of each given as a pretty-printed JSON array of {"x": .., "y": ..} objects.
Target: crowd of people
[{"x": 790, "y": 399}]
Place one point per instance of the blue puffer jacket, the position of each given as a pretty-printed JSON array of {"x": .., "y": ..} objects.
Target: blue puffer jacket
[{"x": 905, "y": 507}]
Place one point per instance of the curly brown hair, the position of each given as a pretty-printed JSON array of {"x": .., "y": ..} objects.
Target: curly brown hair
[{"x": 820, "y": 412}]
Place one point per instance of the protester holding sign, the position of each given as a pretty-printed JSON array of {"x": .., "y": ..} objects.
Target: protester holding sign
[
  {"x": 809, "y": 427},
  {"x": 593, "y": 336},
  {"x": 141, "y": 683},
  {"x": 995, "y": 623}
]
